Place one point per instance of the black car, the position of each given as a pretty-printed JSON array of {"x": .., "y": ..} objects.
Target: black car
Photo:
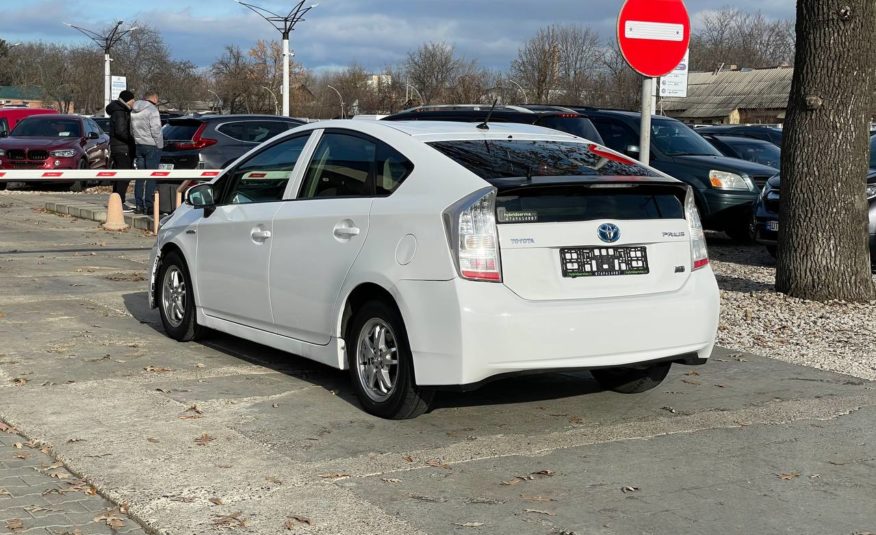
[
  {"x": 724, "y": 188},
  {"x": 746, "y": 148},
  {"x": 765, "y": 225},
  {"x": 762, "y": 132},
  {"x": 214, "y": 141},
  {"x": 555, "y": 117},
  {"x": 103, "y": 123}
]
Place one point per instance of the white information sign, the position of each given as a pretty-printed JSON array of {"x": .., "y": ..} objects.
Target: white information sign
[
  {"x": 119, "y": 84},
  {"x": 674, "y": 84}
]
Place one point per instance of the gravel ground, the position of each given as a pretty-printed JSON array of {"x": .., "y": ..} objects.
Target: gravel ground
[{"x": 833, "y": 336}]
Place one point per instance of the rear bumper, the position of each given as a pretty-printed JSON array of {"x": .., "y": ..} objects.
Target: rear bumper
[{"x": 463, "y": 332}]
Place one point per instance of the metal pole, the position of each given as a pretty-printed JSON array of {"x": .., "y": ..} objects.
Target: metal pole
[
  {"x": 107, "y": 80},
  {"x": 276, "y": 107},
  {"x": 343, "y": 113},
  {"x": 645, "y": 126},
  {"x": 286, "y": 75},
  {"x": 525, "y": 99}
]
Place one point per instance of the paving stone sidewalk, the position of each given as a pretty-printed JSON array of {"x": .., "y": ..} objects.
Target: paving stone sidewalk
[{"x": 40, "y": 496}]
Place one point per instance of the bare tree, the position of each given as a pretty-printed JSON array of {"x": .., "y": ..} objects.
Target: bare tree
[
  {"x": 537, "y": 64},
  {"x": 579, "y": 53},
  {"x": 748, "y": 39},
  {"x": 823, "y": 216},
  {"x": 432, "y": 69}
]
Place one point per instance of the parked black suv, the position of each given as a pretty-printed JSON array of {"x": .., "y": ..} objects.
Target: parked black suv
[
  {"x": 762, "y": 132},
  {"x": 214, "y": 141},
  {"x": 555, "y": 117},
  {"x": 725, "y": 188}
]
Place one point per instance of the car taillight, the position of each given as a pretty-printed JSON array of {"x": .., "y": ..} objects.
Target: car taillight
[
  {"x": 474, "y": 239},
  {"x": 197, "y": 142},
  {"x": 698, "y": 250}
]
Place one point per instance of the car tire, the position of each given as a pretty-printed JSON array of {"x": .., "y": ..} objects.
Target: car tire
[
  {"x": 385, "y": 386},
  {"x": 176, "y": 303},
  {"x": 631, "y": 380},
  {"x": 79, "y": 185},
  {"x": 739, "y": 231}
]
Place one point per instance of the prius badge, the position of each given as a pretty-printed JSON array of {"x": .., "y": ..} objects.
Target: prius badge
[{"x": 608, "y": 232}]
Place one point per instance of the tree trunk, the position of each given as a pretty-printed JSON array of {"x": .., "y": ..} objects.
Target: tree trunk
[{"x": 823, "y": 252}]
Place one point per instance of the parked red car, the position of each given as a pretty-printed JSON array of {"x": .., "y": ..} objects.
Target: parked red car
[
  {"x": 55, "y": 142},
  {"x": 9, "y": 117}
]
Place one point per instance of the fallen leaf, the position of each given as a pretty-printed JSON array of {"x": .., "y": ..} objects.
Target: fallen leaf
[
  {"x": 692, "y": 373},
  {"x": 273, "y": 480},
  {"x": 60, "y": 475},
  {"x": 576, "y": 420},
  {"x": 390, "y": 480},
  {"x": 787, "y": 476},
  {"x": 669, "y": 409},
  {"x": 691, "y": 382},
  {"x": 4, "y": 492},
  {"x": 485, "y": 501},
  {"x": 469, "y": 524},
  {"x": 629, "y": 489},
  {"x": 192, "y": 413},
  {"x": 536, "y": 498},
  {"x": 110, "y": 519},
  {"x": 548, "y": 473},
  {"x": 200, "y": 365},
  {"x": 431, "y": 499},
  {"x": 204, "y": 439},
  {"x": 295, "y": 520},
  {"x": 437, "y": 463},
  {"x": 157, "y": 369},
  {"x": 274, "y": 405},
  {"x": 80, "y": 486},
  {"x": 23, "y": 455},
  {"x": 39, "y": 509},
  {"x": 217, "y": 501},
  {"x": 512, "y": 482},
  {"x": 152, "y": 440},
  {"x": 14, "y": 524},
  {"x": 538, "y": 511},
  {"x": 19, "y": 381},
  {"x": 408, "y": 459},
  {"x": 334, "y": 475},
  {"x": 17, "y": 445},
  {"x": 72, "y": 440},
  {"x": 232, "y": 521},
  {"x": 5, "y": 428},
  {"x": 182, "y": 499}
]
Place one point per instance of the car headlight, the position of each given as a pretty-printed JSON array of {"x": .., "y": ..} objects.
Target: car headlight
[
  {"x": 725, "y": 180},
  {"x": 871, "y": 189},
  {"x": 68, "y": 153}
]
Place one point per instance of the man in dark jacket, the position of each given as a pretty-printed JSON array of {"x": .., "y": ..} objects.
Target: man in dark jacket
[{"x": 121, "y": 138}]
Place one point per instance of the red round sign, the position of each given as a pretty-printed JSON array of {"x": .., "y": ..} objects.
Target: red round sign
[{"x": 653, "y": 35}]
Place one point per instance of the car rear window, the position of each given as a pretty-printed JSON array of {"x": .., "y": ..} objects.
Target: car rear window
[
  {"x": 560, "y": 204},
  {"x": 501, "y": 158},
  {"x": 180, "y": 130},
  {"x": 577, "y": 126},
  {"x": 253, "y": 131}
]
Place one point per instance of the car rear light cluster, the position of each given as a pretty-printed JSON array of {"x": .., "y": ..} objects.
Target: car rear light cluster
[
  {"x": 197, "y": 142},
  {"x": 698, "y": 250},
  {"x": 474, "y": 239}
]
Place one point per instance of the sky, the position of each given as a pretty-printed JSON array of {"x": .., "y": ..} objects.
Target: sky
[{"x": 336, "y": 33}]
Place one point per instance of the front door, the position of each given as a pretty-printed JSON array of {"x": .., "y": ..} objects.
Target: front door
[{"x": 234, "y": 242}]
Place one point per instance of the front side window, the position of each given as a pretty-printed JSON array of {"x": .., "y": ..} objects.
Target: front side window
[
  {"x": 342, "y": 166},
  {"x": 264, "y": 176},
  {"x": 493, "y": 159}
]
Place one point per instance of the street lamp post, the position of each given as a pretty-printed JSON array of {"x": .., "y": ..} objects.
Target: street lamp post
[
  {"x": 268, "y": 89},
  {"x": 419, "y": 96},
  {"x": 285, "y": 25},
  {"x": 343, "y": 112},
  {"x": 218, "y": 103},
  {"x": 525, "y": 100},
  {"x": 106, "y": 42}
]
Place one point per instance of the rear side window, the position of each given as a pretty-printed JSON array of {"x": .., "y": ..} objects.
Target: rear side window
[
  {"x": 253, "y": 131},
  {"x": 492, "y": 159},
  {"x": 341, "y": 167},
  {"x": 392, "y": 170},
  {"x": 616, "y": 135},
  {"x": 560, "y": 204},
  {"x": 577, "y": 126},
  {"x": 180, "y": 131}
]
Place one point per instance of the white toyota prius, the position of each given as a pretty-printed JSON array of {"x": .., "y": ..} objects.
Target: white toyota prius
[{"x": 428, "y": 255}]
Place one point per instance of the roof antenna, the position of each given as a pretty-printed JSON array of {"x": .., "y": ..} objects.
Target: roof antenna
[{"x": 484, "y": 125}]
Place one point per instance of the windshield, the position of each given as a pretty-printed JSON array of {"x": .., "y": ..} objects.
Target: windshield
[
  {"x": 674, "y": 138},
  {"x": 501, "y": 158},
  {"x": 763, "y": 153},
  {"x": 41, "y": 127}
]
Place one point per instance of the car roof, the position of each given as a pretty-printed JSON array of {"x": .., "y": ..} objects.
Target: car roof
[
  {"x": 738, "y": 139},
  {"x": 57, "y": 116},
  {"x": 25, "y": 111},
  {"x": 426, "y": 131},
  {"x": 240, "y": 117},
  {"x": 478, "y": 110}
]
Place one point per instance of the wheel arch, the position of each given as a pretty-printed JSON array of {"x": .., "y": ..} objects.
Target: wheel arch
[
  {"x": 358, "y": 296},
  {"x": 167, "y": 248}
]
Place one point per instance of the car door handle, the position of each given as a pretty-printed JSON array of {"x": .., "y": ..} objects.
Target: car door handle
[
  {"x": 346, "y": 232},
  {"x": 260, "y": 235}
]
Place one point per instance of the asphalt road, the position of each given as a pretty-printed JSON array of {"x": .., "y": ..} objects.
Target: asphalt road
[{"x": 229, "y": 435}]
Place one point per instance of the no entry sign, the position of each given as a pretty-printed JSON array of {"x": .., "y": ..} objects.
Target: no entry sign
[{"x": 653, "y": 35}]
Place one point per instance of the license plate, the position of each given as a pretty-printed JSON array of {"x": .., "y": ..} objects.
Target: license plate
[
  {"x": 772, "y": 226},
  {"x": 603, "y": 261},
  {"x": 165, "y": 166}
]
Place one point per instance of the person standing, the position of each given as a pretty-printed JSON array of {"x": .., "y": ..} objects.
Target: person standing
[
  {"x": 122, "y": 149},
  {"x": 146, "y": 127}
]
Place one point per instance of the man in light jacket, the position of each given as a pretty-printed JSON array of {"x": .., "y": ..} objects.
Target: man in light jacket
[{"x": 146, "y": 128}]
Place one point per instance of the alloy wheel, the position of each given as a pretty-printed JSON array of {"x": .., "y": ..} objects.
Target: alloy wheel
[
  {"x": 377, "y": 359},
  {"x": 173, "y": 296}
]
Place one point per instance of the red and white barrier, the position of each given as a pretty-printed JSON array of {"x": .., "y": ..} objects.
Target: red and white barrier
[{"x": 64, "y": 175}]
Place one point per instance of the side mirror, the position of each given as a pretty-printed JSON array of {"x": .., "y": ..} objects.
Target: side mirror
[
  {"x": 93, "y": 135},
  {"x": 200, "y": 196}
]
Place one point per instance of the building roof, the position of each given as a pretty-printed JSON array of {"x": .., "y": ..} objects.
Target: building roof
[
  {"x": 717, "y": 95},
  {"x": 12, "y": 92}
]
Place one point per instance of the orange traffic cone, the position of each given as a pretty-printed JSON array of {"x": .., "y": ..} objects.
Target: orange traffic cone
[{"x": 115, "y": 219}]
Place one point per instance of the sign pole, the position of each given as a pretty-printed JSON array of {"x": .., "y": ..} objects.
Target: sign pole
[{"x": 645, "y": 128}]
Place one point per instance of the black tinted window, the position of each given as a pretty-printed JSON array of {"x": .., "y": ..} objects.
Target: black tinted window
[
  {"x": 340, "y": 167},
  {"x": 616, "y": 134},
  {"x": 577, "y": 126},
  {"x": 554, "y": 204},
  {"x": 492, "y": 159},
  {"x": 762, "y": 153},
  {"x": 180, "y": 131},
  {"x": 39, "y": 127},
  {"x": 263, "y": 177},
  {"x": 873, "y": 152},
  {"x": 253, "y": 131},
  {"x": 392, "y": 169},
  {"x": 4, "y": 126}
]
